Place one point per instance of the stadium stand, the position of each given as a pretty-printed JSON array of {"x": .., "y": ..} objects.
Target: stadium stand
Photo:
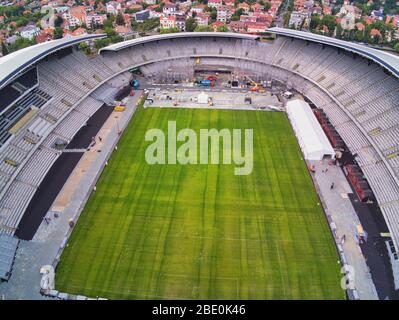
[
  {"x": 8, "y": 247},
  {"x": 18, "y": 88}
]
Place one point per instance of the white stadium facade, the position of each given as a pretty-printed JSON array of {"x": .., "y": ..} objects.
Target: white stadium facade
[{"x": 48, "y": 84}]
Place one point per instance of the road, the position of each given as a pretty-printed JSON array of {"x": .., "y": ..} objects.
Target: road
[{"x": 279, "y": 20}]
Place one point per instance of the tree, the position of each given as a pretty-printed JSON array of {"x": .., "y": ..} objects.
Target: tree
[
  {"x": 290, "y": 7},
  {"x": 58, "y": 32},
  {"x": 237, "y": 14},
  {"x": 23, "y": 21},
  {"x": 131, "y": 11},
  {"x": 390, "y": 7},
  {"x": 338, "y": 31},
  {"x": 222, "y": 29},
  {"x": 314, "y": 21},
  {"x": 214, "y": 13},
  {"x": 84, "y": 47},
  {"x": 58, "y": 22},
  {"x": 101, "y": 43},
  {"x": 396, "y": 47},
  {"x": 120, "y": 20},
  {"x": 4, "y": 49},
  {"x": 109, "y": 22},
  {"x": 11, "y": 11},
  {"x": 169, "y": 30},
  {"x": 203, "y": 29},
  {"x": 286, "y": 18},
  {"x": 329, "y": 21},
  {"x": 147, "y": 25},
  {"x": 21, "y": 43},
  {"x": 267, "y": 5},
  {"x": 359, "y": 36},
  {"x": 190, "y": 24}
]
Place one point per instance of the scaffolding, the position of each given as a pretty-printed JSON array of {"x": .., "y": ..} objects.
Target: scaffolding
[
  {"x": 244, "y": 67},
  {"x": 177, "y": 70}
]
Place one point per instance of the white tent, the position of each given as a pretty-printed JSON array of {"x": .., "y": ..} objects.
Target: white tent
[
  {"x": 311, "y": 137},
  {"x": 203, "y": 98}
]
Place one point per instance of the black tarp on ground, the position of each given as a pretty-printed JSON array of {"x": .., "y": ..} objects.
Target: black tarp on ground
[
  {"x": 374, "y": 249},
  {"x": 83, "y": 138},
  {"x": 58, "y": 175}
]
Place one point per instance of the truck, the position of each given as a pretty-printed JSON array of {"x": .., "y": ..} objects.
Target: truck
[
  {"x": 135, "y": 84},
  {"x": 205, "y": 83}
]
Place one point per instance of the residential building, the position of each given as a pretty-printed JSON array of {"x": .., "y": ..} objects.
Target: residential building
[
  {"x": 198, "y": 8},
  {"x": 202, "y": 19},
  {"x": 113, "y": 7},
  {"x": 298, "y": 18},
  {"x": 378, "y": 14},
  {"x": 78, "y": 32},
  {"x": 244, "y": 6},
  {"x": 29, "y": 31},
  {"x": 43, "y": 37},
  {"x": 257, "y": 27},
  {"x": 237, "y": 26},
  {"x": 215, "y": 3},
  {"x": 173, "y": 21},
  {"x": 223, "y": 14},
  {"x": 248, "y": 19},
  {"x": 350, "y": 9},
  {"x": 169, "y": 8},
  {"x": 180, "y": 22},
  {"x": 142, "y": 15},
  {"x": 348, "y": 22},
  {"x": 95, "y": 20},
  {"x": 124, "y": 31}
]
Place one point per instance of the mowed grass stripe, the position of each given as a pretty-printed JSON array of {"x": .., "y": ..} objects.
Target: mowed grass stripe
[{"x": 199, "y": 231}]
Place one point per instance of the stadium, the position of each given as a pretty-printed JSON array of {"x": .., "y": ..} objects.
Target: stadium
[{"x": 84, "y": 216}]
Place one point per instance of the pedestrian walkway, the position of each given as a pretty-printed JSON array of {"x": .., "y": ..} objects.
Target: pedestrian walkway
[{"x": 338, "y": 206}]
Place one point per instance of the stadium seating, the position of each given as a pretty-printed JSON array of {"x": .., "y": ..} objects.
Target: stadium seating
[{"x": 62, "y": 111}]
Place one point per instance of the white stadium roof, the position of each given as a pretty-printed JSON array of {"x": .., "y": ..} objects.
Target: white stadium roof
[
  {"x": 385, "y": 59},
  {"x": 16, "y": 62},
  {"x": 137, "y": 41}
]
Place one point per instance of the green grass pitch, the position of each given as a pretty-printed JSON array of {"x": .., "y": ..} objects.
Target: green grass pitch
[{"x": 199, "y": 231}]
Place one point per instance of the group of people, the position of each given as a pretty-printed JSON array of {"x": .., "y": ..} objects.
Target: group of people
[
  {"x": 94, "y": 141},
  {"x": 332, "y": 184}
]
